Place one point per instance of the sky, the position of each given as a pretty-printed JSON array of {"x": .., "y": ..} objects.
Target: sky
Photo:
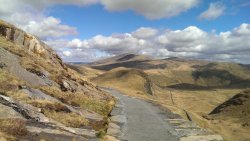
[{"x": 89, "y": 30}]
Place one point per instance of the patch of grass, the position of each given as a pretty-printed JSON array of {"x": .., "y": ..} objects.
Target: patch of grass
[
  {"x": 102, "y": 107},
  {"x": 18, "y": 95},
  {"x": 15, "y": 127},
  {"x": 8, "y": 82},
  {"x": 49, "y": 105},
  {"x": 69, "y": 119}
]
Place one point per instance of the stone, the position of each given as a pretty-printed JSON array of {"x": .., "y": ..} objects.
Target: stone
[
  {"x": 114, "y": 132},
  {"x": 113, "y": 125},
  {"x": 110, "y": 138},
  {"x": 202, "y": 138},
  {"x": 65, "y": 86},
  {"x": 8, "y": 112},
  {"x": 37, "y": 94},
  {"x": 18, "y": 37},
  {"x": 119, "y": 119},
  {"x": 116, "y": 111}
]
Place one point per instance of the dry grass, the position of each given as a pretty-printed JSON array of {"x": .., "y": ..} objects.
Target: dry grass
[
  {"x": 102, "y": 107},
  {"x": 8, "y": 82},
  {"x": 68, "y": 119},
  {"x": 14, "y": 127},
  {"x": 49, "y": 105},
  {"x": 18, "y": 95}
]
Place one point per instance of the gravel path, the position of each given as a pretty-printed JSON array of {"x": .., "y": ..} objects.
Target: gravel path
[{"x": 145, "y": 122}]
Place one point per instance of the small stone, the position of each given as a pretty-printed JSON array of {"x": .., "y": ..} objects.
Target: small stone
[
  {"x": 120, "y": 119},
  {"x": 110, "y": 138},
  {"x": 114, "y": 132},
  {"x": 113, "y": 125}
]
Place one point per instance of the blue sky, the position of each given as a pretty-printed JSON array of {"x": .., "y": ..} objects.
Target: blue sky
[
  {"x": 88, "y": 30},
  {"x": 94, "y": 19}
]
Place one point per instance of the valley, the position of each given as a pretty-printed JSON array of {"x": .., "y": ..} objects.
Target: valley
[{"x": 190, "y": 88}]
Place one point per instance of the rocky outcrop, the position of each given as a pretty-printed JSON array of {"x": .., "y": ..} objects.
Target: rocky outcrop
[{"x": 29, "y": 42}]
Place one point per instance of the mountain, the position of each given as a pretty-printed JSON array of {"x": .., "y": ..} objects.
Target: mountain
[
  {"x": 120, "y": 58},
  {"x": 41, "y": 98},
  {"x": 191, "y": 88}
]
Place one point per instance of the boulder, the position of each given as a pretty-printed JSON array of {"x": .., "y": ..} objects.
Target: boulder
[{"x": 68, "y": 86}]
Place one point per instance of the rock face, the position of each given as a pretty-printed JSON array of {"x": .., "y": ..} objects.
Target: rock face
[{"x": 23, "y": 39}]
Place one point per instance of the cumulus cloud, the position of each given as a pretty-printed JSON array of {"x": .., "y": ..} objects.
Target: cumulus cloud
[
  {"x": 214, "y": 11},
  {"x": 156, "y": 9},
  {"x": 191, "y": 42},
  {"x": 29, "y": 15},
  {"x": 145, "y": 32}
]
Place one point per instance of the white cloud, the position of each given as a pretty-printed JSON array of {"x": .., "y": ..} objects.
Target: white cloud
[
  {"x": 145, "y": 32},
  {"x": 30, "y": 14},
  {"x": 156, "y": 9},
  {"x": 214, "y": 11},
  {"x": 48, "y": 27},
  {"x": 67, "y": 53},
  {"x": 190, "y": 42}
]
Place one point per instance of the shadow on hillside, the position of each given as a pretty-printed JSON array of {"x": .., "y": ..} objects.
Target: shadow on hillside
[
  {"x": 239, "y": 99},
  {"x": 132, "y": 64},
  {"x": 224, "y": 79},
  {"x": 223, "y": 76},
  {"x": 186, "y": 86},
  {"x": 127, "y": 57}
]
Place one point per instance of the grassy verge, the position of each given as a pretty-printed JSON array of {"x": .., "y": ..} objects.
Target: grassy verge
[{"x": 102, "y": 107}]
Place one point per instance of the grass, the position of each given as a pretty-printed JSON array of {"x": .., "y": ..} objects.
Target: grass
[
  {"x": 13, "y": 127},
  {"x": 69, "y": 119},
  {"x": 102, "y": 107},
  {"x": 49, "y": 105},
  {"x": 60, "y": 113},
  {"x": 8, "y": 82}
]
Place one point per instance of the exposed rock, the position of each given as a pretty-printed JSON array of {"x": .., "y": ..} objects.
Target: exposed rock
[
  {"x": 68, "y": 86},
  {"x": 52, "y": 134},
  {"x": 203, "y": 138},
  {"x": 37, "y": 94},
  {"x": 8, "y": 112},
  {"x": 110, "y": 138},
  {"x": 115, "y": 126},
  {"x": 14, "y": 67},
  {"x": 18, "y": 37},
  {"x": 119, "y": 119},
  {"x": 114, "y": 132},
  {"x": 26, "y": 110},
  {"x": 116, "y": 111}
]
